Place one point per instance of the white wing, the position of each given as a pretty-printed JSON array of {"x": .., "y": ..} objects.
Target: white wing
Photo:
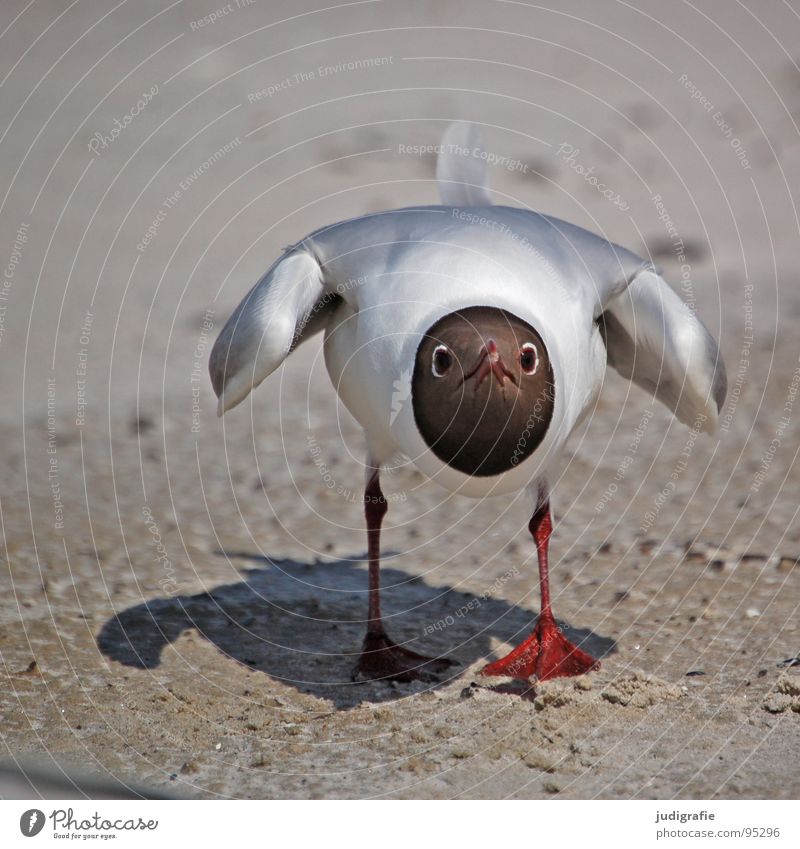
[
  {"x": 461, "y": 167},
  {"x": 656, "y": 341},
  {"x": 287, "y": 306},
  {"x": 651, "y": 336}
]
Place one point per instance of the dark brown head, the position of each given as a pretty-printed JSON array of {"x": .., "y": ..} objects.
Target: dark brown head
[{"x": 482, "y": 390}]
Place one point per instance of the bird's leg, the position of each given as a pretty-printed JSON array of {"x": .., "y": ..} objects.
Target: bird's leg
[
  {"x": 547, "y": 653},
  {"x": 380, "y": 657}
]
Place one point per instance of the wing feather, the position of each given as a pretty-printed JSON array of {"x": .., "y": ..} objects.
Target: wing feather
[
  {"x": 287, "y": 306},
  {"x": 656, "y": 341}
]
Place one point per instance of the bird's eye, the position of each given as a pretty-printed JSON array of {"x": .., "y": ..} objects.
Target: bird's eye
[
  {"x": 528, "y": 358},
  {"x": 442, "y": 360}
]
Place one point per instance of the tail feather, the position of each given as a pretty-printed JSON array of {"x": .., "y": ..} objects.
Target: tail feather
[{"x": 461, "y": 169}]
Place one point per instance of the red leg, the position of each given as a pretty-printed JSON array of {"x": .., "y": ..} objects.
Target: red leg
[
  {"x": 547, "y": 653},
  {"x": 380, "y": 657}
]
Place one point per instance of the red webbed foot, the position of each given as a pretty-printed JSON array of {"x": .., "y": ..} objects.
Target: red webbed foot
[
  {"x": 383, "y": 659},
  {"x": 547, "y": 653}
]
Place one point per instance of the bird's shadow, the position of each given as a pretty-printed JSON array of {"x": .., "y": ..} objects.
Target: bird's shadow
[{"x": 303, "y": 623}]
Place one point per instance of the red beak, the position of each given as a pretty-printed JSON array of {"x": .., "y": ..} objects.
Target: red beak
[{"x": 490, "y": 362}]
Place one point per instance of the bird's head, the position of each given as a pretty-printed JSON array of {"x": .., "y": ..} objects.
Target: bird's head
[{"x": 482, "y": 390}]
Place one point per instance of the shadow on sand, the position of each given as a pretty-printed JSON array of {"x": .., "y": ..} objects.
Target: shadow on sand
[{"x": 303, "y": 623}]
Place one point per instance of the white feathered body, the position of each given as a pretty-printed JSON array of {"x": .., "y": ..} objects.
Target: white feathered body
[
  {"x": 423, "y": 264},
  {"x": 377, "y": 283}
]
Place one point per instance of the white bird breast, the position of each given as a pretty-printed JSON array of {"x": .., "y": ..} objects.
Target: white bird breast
[{"x": 370, "y": 354}]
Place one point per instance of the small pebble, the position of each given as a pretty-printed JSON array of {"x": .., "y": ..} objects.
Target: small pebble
[
  {"x": 469, "y": 692},
  {"x": 752, "y": 612}
]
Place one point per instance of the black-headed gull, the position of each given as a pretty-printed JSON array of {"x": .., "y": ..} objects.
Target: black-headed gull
[{"x": 497, "y": 325}]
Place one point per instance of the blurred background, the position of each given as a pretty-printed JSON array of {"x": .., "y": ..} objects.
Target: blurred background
[{"x": 183, "y": 597}]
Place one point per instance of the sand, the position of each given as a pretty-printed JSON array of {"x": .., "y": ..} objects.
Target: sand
[{"x": 182, "y": 598}]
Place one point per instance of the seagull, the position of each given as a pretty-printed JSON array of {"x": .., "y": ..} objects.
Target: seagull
[{"x": 472, "y": 339}]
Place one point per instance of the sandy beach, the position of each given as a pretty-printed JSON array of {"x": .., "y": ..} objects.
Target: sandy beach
[{"x": 182, "y": 597}]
